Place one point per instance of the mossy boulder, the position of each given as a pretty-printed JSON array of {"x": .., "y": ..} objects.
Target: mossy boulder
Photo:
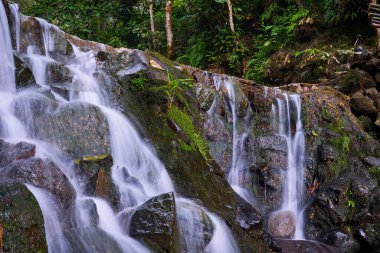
[
  {"x": 21, "y": 220},
  {"x": 363, "y": 105},
  {"x": 356, "y": 80}
]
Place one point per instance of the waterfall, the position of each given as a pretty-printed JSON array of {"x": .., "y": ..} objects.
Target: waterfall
[
  {"x": 238, "y": 172},
  {"x": 286, "y": 113},
  {"x": 7, "y": 73},
  {"x": 137, "y": 171}
]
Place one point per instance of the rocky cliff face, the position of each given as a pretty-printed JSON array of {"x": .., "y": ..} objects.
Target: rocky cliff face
[{"x": 168, "y": 104}]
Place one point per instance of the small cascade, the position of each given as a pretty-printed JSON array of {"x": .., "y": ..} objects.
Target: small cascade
[
  {"x": 238, "y": 174},
  {"x": 16, "y": 23},
  {"x": 286, "y": 118},
  {"x": 7, "y": 70},
  {"x": 137, "y": 171}
]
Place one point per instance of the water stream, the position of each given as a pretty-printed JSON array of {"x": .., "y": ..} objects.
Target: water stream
[
  {"x": 286, "y": 113},
  {"x": 137, "y": 171}
]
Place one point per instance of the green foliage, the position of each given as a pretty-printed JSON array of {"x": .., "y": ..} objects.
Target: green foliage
[
  {"x": 340, "y": 11},
  {"x": 277, "y": 29},
  {"x": 186, "y": 124},
  {"x": 175, "y": 85},
  {"x": 138, "y": 83},
  {"x": 202, "y": 37},
  {"x": 375, "y": 171}
]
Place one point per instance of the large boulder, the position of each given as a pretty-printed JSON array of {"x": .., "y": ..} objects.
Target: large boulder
[
  {"x": 155, "y": 222},
  {"x": 76, "y": 128},
  {"x": 282, "y": 224},
  {"x": 20, "y": 166}
]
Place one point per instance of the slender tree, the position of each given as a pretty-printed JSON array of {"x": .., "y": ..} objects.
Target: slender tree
[
  {"x": 169, "y": 30},
  {"x": 230, "y": 16},
  {"x": 152, "y": 28}
]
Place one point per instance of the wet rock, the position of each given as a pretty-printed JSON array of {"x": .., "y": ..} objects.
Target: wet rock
[
  {"x": 20, "y": 151},
  {"x": 206, "y": 96},
  {"x": 24, "y": 76},
  {"x": 21, "y": 220},
  {"x": 247, "y": 217},
  {"x": 58, "y": 73},
  {"x": 340, "y": 240},
  {"x": 43, "y": 174},
  {"x": 76, "y": 128},
  {"x": 294, "y": 246},
  {"x": 93, "y": 239},
  {"x": 89, "y": 212},
  {"x": 363, "y": 105},
  {"x": 368, "y": 231},
  {"x": 275, "y": 142},
  {"x": 63, "y": 89},
  {"x": 194, "y": 221},
  {"x": 96, "y": 178},
  {"x": 327, "y": 153},
  {"x": 155, "y": 221},
  {"x": 282, "y": 224}
]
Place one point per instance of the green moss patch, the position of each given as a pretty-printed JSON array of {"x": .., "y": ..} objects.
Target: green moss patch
[{"x": 186, "y": 124}]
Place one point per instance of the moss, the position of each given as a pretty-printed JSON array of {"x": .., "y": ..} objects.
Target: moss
[
  {"x": 138, "y": 83},
  {"x": 95, "y": 158},
  {"x": 186, "y": 124},
  {"x": 375, "y": 171}
]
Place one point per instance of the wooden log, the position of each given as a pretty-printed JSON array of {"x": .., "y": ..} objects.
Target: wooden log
[
  {"x": 375, "y": 18},
  {"x": 376, "y": 25},
  {"x": 375, "y": 22}
]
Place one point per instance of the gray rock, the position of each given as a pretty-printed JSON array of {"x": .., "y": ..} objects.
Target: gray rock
[
  {"x": 273, "y": 142},
  {"x": 282, "y": 224},
  {"x": 340, "y": 240},
  {"x": 248, "y": 217},
  {"x": 372, "y": 161},
  {"x": 156, "y": 222},
  {"x": 327, "y": 153},
  {"x": 294, "y": 246}
]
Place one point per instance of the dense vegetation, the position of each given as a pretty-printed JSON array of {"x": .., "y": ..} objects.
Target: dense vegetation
[{"x": 202, "y": 34}]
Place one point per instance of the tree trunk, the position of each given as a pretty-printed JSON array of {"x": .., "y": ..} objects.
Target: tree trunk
[
  {"x": 230, "y": 16},
  {"x": 152, "y": 28},
  {"x": 169, "y": 31}
]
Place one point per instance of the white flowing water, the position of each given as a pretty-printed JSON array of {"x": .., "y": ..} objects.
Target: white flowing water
[
  {"x": 137, "y": 171},
  {"x": 7, "y": 70},
  {"x": 286, "y": 113},
  {"x": 16, "y": 23},
  {"x": 238, "y": 171}
]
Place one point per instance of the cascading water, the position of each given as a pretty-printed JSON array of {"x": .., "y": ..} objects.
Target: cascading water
[
  {"x": 7, "y": 72},
  {"x": 286, "y": 113},
  {"x": 137, "y": 172},
  {"x": 238, "y": 173}
]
